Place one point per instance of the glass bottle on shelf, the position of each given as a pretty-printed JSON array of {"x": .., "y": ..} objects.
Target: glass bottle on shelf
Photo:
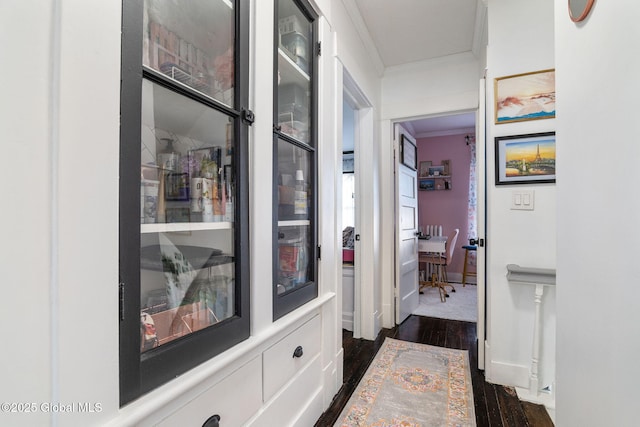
[{"x": 300, "y": 202}]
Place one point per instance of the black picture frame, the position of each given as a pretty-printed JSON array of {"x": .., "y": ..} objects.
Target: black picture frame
[
  {"x": 525, "y": 159},
  {"x": 348, "y": 165},
  {"x": 408, "y": 153}
]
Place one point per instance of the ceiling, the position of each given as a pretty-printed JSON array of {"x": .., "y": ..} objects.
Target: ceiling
[{"x": 425, "y": 30}]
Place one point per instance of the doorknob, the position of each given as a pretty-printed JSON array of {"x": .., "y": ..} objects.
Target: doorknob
[{"x": 476, "y": 241}]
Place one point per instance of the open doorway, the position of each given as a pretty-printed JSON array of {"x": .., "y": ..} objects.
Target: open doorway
[
  {"x": 447, "y": 181},
  {"x": 348, "y": 216},
  {"x": 359, "y": 194}
]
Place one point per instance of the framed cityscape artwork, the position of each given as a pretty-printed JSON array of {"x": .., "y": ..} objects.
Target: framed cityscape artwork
[{"x": 526, "y": 159}]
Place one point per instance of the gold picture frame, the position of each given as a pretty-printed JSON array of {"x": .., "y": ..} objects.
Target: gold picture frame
[{"x": 526, "y": 96}]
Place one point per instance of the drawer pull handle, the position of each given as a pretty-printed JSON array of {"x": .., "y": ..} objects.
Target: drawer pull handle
[
  {"x": 212, "y": 421},
  {"x": 298, "y": 351}
]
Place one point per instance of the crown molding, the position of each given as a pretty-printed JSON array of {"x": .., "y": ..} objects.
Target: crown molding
[
  {"x": 480, "y": 29},
  {"x": 365, "y": 36}
]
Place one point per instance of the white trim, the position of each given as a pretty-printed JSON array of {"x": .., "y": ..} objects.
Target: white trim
[
  {"x": 54, "y": 199},
  {"x": 364, "y": 319},
  {"x": 347, "y": 320},
  {"x": 480, "y": 29},
  {"x": 481, "y": 191},
  {"x": 509, "y": 374}
]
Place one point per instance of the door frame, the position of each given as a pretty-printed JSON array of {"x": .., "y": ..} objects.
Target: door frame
[
  {"x": 481, "y": 217},
  {"x": 364, "y": 318},
  {"x": 481, "y": 220}
]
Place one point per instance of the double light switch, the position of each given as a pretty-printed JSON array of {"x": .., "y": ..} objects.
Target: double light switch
[{"x": 522, "y": 200}]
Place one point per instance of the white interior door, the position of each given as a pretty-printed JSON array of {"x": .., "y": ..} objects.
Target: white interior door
[
  {"x": 481, "y": 185},
  {"x": 407, "y": 295}
]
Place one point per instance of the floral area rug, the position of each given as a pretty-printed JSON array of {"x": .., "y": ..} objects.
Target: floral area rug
[{"x": 411, "y": 385}]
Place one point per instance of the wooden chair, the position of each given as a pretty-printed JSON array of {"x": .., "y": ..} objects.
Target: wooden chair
[{"x": 439, "y": 263}]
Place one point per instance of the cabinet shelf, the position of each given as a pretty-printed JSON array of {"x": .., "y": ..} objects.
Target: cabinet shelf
[
  {"x": 185, "y": 226},
  {"x": 294, "y": 223},
  {"x": 434, "y": 182},
  {"x": 290, "y": 72},
  {"x": 435, "y": 177}
]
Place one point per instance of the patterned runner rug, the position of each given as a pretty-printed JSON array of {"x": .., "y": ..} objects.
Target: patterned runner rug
[{"x": 411, "y": 385}]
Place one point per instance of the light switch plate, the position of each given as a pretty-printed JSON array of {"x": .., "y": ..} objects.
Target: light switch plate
[{"x": 522, "y": 200}]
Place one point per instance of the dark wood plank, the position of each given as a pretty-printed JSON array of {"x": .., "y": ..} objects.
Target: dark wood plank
[
  {"x": 537, "y": 415},
  {"x": 510, "y": 408}
]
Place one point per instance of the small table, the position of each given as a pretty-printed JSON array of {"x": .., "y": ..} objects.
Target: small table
[{"x": 433, "y": 244}]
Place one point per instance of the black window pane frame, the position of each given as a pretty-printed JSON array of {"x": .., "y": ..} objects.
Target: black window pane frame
[
  {"x": 141, "y": 373},
  {"x": 289, "y": 301}
]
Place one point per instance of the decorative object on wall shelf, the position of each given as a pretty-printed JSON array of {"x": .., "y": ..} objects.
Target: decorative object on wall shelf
[
  {"x": 434, "y": 177},
  {"x": 408, "y": 153},
  {"x": 579, "y": 9},
  {"x": 424, "y": 168},
  {"x": 527, "y": 96},
  {"x": 526, "y": 159},
  {"x": 427, "y": 184},
  {"x": 436, "y": 171},
  {"x": 447, "y": 167}
]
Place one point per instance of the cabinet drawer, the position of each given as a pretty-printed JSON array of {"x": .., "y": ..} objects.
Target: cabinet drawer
[
  {"x": 278, "y": 361},
  {"x": 236, "y": 398},
  {"x": 298, "y": 403}
]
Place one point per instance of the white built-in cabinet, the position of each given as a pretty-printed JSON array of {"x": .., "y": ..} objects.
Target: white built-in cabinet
[{"x": 197, "y": 347}]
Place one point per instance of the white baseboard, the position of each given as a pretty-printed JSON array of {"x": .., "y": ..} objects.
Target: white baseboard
[
  {"x": 455, "y": 277},
  {"x": 331, "y": 384},
  {"x": 339, "y": 368},
  {"x": 508, "y": 374},
  {"x": 347, "y": 320},
  {"x": 517, "y": 376},
  {"x": 377, "y": 326}
]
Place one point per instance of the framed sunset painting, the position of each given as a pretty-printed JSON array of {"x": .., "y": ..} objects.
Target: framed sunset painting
[
  {"x": 526, "y": 159},
  {"x": 528, "y": 96}
]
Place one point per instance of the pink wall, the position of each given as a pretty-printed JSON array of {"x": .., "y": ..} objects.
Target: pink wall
[{"x": 447, "y": 207}]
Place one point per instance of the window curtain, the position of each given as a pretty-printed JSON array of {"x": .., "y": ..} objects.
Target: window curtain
[{"x": 472, "y": 230}]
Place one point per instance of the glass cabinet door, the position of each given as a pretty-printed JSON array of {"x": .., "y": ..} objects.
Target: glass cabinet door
[
  {"x": 183, "y": 215},
  {"x": 187, "y": 216},
  {"x": 294, "y": 157}
]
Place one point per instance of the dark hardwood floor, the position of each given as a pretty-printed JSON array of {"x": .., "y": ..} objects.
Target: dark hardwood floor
[{"x": 494, "y": 405}]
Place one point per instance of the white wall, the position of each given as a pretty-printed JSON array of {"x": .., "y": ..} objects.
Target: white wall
[
  {"x": 60, "y": 107},
  {"x": 520, "y": 41},
  {"x": 25, "y": 255},
  {"x": 431, "y": 87},
  {"x": 597, "y": 125}
]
